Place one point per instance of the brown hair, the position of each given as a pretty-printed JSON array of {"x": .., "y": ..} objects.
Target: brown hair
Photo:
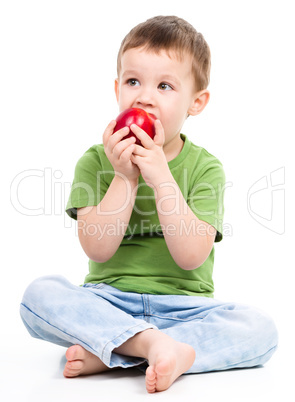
[{"x": 171, "y": 33}]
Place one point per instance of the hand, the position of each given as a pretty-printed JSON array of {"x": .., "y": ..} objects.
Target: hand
[
  {"x": 150, "y": 157},
  {"x": 119, "y": 151}
]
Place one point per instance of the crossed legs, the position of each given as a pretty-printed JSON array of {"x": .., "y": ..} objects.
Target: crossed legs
[
  {"x": 98, "y": 327},
  {"x": 167, "y": 358}
]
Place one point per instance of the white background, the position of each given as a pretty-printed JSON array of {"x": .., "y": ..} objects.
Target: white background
[{"x": 58, "y": 65}]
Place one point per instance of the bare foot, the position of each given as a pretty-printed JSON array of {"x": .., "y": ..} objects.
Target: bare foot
[
  {"x": 167, "y": 358},
  {"x": 167, "y": 362},
  {"x": 82, "y": 362}
]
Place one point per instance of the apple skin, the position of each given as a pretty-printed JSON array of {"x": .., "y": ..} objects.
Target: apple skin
[{"x": 139, "y": 117}]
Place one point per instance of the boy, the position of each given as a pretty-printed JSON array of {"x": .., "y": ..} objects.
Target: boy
[{"x": 148, "y": 217}]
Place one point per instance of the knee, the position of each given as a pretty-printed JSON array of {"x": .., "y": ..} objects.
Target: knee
[
  {"x": 272, "y": 332},
  {"x": 40, "y": 290},
  {"x": 265, "y": 332}
]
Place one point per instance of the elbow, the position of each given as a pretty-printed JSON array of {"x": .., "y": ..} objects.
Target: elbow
[
  {"x": 97, "y": 250},
  {"x": 189, "y": 266},
  {"x": 191, "y": 262},
  {"x": 194, "y": 258},
  {"x": 98, "y": 253},
  {"x": 98, "y": 257}
]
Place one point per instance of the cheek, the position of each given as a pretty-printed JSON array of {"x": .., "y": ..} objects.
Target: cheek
[
  {"x": 174, "y": 120},
  {"x": 125, "y": 99},
  {"x": 171, "y": 126}
]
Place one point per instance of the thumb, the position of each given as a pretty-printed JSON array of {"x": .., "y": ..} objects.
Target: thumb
[{"x": 159, "y": 138}]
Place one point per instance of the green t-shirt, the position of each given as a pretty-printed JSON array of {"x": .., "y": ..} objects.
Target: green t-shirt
[{"x": 142, "y": 263}]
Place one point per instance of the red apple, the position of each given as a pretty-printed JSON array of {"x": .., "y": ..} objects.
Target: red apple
[{"x": 139, "y": 117}]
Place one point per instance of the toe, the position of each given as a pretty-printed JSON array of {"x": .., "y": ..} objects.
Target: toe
[
  {"x": 150, "y": 374},
  {"x": 71, "y": 353},
  {"x": 73, "y": 368},
  {"x": 75, "y": 365},
  {"x": 150, "y": 380},
  {"x": 75, "y": 352}
]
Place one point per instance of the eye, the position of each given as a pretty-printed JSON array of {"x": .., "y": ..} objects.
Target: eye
[
  {"x": 165, "y": 87},
  {"x": 133, "y": 82}
]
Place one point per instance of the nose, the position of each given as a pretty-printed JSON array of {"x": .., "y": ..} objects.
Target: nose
[{"x": 145, "y": 98}]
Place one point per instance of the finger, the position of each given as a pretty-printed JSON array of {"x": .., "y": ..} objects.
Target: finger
[
  {"x": 116, "y": 137},
  {"x": 134, "y": 159},
  {"x": 109, "y": 131},
  {"x": 139, "y": 150},
  {"x": 159, "y": 138},
  {"x": 145, "y": 139},
  {"x": 121, "y": 146},
  {"x": 126, "y": 154}
]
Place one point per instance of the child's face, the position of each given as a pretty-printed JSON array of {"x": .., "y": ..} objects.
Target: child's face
[{"x": 159, "y": 84}]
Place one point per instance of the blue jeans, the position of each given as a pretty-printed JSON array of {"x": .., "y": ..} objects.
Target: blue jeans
[{"x": 101, "y": 318}]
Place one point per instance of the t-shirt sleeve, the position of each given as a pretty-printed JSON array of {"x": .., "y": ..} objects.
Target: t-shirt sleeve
[
  {"x": 89, "y": 185},
  {"x": 207, "y": 195}
]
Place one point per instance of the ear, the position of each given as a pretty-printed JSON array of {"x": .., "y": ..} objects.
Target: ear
[
  {"x": 199, "y": 102},
  {"x": 117, "y": 89}
]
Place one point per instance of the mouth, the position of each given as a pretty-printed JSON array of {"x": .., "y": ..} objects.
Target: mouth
[
  {"x": 150, "y": 113},
  {"x": 153, "y": 115}
]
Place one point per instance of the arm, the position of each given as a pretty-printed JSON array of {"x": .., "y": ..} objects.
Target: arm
[
  {"x": 188, "y": 239},
  {"x": 101, "y": 228}
]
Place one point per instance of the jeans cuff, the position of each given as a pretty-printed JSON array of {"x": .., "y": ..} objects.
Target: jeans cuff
[{"x": 112, "y": 359}]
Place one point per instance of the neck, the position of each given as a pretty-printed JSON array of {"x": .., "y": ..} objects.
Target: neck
[{"x": 173, "y": 148}]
